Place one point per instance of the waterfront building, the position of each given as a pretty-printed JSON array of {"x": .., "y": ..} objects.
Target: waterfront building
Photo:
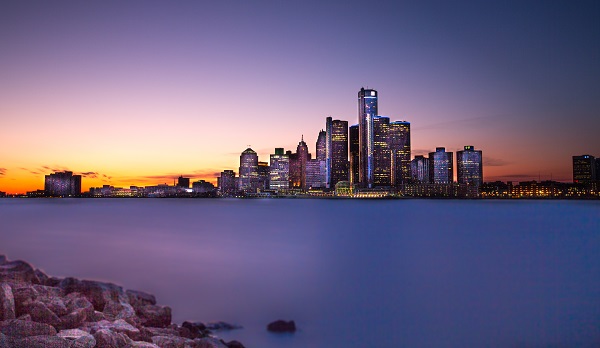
[
  {"x": 381, "y": 151},
  {"x": 328, "y": 150},
  {"x": 321, "y": 145},
  {"x": 298, "y": 165},
  {"x": 354, "y": 154},
  {"x": 339, "y": 152},
  {"x": 367, "y": 110},
  {"x": 584, "y": 169},
  {"x": 420, "y": 169},
  {"x": 227, "y": 182},
  {"x": 399, "y": 148},
  {"x": 183, "y": 182},
  {"x": 279, "y": 171},
  {"x": 249, "y": 181},
  {"x": 62, "y": 184},
  {"x": 315, "y": 178},
  {"x": 441, "y": 169},
  {"x": 202, "y": 186},
  {"x": 469, "y": 166},
  {"x": 263, "y": 175}
]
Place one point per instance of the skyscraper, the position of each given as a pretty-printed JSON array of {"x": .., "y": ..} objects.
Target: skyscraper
[
  {"x": 298, "y": 166},
  {"x": 381, "y": 151},
  {"x": 328, "y": 130},
  {"x": 420, "y": 169},
  {"x": 315, "y": 174},
  {"x": 183, "y": 182},
  {"x": 321, "y": 146},
  {"x": 339, "y": 152},
  {"x": 399, "y": 144},
  {"x": 354, "y": 154},
  {"x": 469, "y": 166},
  {"x": 584, "y": 169},
  {"x": 249, "y": 181},
  {"x": 263, "y": 175},
  {"x": 279, "y": 171},
  {"x": 62, "y": 184},
  {"x": 367, "y": 109},
  {"x": 226, "y": 182},
  {"x": 441, "y": 169}
]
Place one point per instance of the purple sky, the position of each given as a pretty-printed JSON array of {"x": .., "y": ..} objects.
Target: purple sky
[{"x": 141, "y": 91}]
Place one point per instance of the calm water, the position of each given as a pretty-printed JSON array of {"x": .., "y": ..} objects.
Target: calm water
[{"x": 415, "y": 273}]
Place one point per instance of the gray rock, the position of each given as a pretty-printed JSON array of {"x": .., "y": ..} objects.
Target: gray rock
[
  {"x": 41, "y": 276},
  {"x": 118, "y": 310},
  {"x": 282, "y": 326},
  {"x": 221, "y": 326},
  {"x": 208, "y": 342},
  {"x": 120, "y": 326},
  {"x": 109, "y": 339},
  {"x": 18, "y": 272},
  {"x": 21, "y": 328},
  {"x": 74, "y": 319},
  {"x": 56, "y": 305},
  {"x": 172, "y": 342},
  {"x": 72, "y": 334},
  {"x": 41, "y": 314},
  {"x": 154, "y": 316},
  {"x": 7, "y": 302},
  {"x": 24, "y": 296},
  {"x": 78, "y": 338},
  {"x": 235, "y": 344},
  {"x": 138, "y": 344},
  {"x": 98, "y": 293},
  {"x": 84, "y": 342},
  {"x": 5, "y": 341},
  {"x": 140, "y": 298},
  {"x": 43, "y": 342}
]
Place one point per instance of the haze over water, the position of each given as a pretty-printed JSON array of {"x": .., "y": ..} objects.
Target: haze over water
[{"x": 351, "y": 273}]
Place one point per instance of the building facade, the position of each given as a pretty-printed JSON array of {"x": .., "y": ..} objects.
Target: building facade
[
  {"x": 339, "y": 152},
  {"x": 419, "y": 168},
  {"x": 227, "y": 183},
  {"x": 353, "y": 146},
  {"x": 183, "y": 182},
  {"x": 367, "y": 110},
  {"x": 381, "y": 151},
  {"x": 279, "y": 171},
  {"x": 61, "y": 184},
  {"x": 263, "y": 175},
  {"x": 315, "y": 174},
  {"x": 441, "y": 170},
  {"x": 584, "y": 169},
  {"x": 399, "y": 147},
  {"x": 248, "y": 181},
  {"x": 298, "y": 166},
  {"x": 469, "y": 166}
]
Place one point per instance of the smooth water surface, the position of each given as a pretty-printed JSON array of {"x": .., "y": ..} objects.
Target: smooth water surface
[{"x": 351, "y": 273}]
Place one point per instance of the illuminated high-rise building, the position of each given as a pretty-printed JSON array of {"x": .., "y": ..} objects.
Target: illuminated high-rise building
[
  {"x": 441, "y": 170},
  {"x": 263, "y": 175},
  {"x": 584, "y": 169},
  {"x": 419, "y": 169},
  {"x": 399, "y": 147},
  {"x": 321, "y": 146},
  {"x": 62, "y": 184},
  {"x": 469, "y": 166},
  {"x": 381, "y": 151},
  {"x": 367, "y": 110},
  {"x": 339, "y": 152},
  {"x": 249, "y": 181},
  {"x": 279, "y": 171},
  {"x": 226, "y": 182},
  {"x": 354, "y": 154},
  {"x": 298, "y": 166},
  {"x": 315, "y": 174}
]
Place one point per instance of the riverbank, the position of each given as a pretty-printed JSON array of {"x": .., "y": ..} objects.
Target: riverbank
[{"x": 37, "y": 310}]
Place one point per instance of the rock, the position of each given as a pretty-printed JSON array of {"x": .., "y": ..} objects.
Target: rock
[
  {"x": 7, "y": 302},
  {"x": 2, "y": 259},
  {"x": 98, "y": 293},
  {"x": 157, "y": 331},
  {"x": 154, "y": 316},
  {"x": 75, "y": 301},
  {"x": 21, "y": 328},
  {"x": 5, "y": 341},
  {"x": 282, "y": 326},
  {"x": 234, "y": 344},
  {"x": 25, "y": 317},
  {"x": 140, "y": 298},
  {"x": 110, "y": 339},
  {"x": 119, "y": 325},
  {"x": 185, "y": 332},
  {"x": 78, "y": 338},
  {"x": 221, "y": 326},
  {"x": 23, "y": 296},
  {"x": 138, "y": 344},
  {"x": 172, "y": 342},
  {"x": 96, "y": 316},
  {"x": 195, "y": 326},
  {"x": 41, "y": 314},
  {"x": 209, "y": 342},
  {"x": 43, "y": 342},
  {"x": 41, "y": 276},
  {"x": 18, "y": 272},
  {"x": 74, "y": 319},
  {"x": 48, "y": 292},
  {"x": 118, "y": 310}
]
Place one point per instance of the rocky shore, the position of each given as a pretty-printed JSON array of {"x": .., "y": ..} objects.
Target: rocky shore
[{"x": 37, "y": 311}]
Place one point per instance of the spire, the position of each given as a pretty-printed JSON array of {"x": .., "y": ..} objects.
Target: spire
[{"x": 302, "y": 137}]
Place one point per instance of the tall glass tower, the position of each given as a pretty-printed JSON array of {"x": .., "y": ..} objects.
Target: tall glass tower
[{"x": 367, "y": 109}]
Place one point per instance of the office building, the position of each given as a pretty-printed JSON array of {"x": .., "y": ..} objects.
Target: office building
[
  {"x": 279, "y": 171},
  {"x": 419, "y": 168},
  {"x": 381, "y": 151},
  {"x": 354, "y": 154},
  {"x": 584, "y": 169},
  {"x": 202, "y": 186},
  {"x": 263, "y": 175},
  {"x": 367, "y": 110},
  {"x": 227, "y": 183},
  {"x": 315, "y": 174},
  {"x": 183, "y": 182},
  {"x": 321, "y": 145},
  {"x": 339, "y": 152},
  {"x": 62, "y": 184},
  {"x": 298, "y": 166},
  {"x": 399, "y": 147},
  {"x": 249, "y": 181},
  {"x": 441, "y": 169},
  {"x": 469, "y": 166}
]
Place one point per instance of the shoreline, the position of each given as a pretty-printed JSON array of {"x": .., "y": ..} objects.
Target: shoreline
[{"x": 37, "y": 310}]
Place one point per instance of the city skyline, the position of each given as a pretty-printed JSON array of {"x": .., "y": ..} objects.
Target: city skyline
[{"x": 183, "y": 89}]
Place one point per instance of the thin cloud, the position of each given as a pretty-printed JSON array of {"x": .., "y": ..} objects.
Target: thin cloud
[
  {"x": 3, "y": 171},
  {"x": 494, "y": 162},
  {"x": 462, "y": 123}
]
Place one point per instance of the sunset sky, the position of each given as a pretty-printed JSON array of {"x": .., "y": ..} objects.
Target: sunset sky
[{"x": 140, "y": 92}]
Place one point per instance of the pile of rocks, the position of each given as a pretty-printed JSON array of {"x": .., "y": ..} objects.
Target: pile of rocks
[{"x": 41, "y": 311}]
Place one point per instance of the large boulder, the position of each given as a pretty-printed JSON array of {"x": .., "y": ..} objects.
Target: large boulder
[
  {"x": 140, "y": 298},
  {"x": 5, "y": 341},
  {"x": 222, "y": 326},
  {"x": 106, "y": 338},
  {"x": 120, "y": 326},
  {"x": 7, "y": 302},
  {"x": 139, "y": 344},
  {"x": 98, "y": 293},
  {"x": 118, "y": 309},
  {"x": 208, "y": 342},
  {"x": 282, "y": 326},
  {"x": 42, "y": 342},
  {"x": 154, "y": 316},
  {"x": 235, "y": 344},
  {"x": 40, "y": 313},
  {"x": 18, "y": 272},
  {"x": 78, "y": 338},
  {"x": 21, "y": 328},
  {"x": 172, "y": 342}
]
